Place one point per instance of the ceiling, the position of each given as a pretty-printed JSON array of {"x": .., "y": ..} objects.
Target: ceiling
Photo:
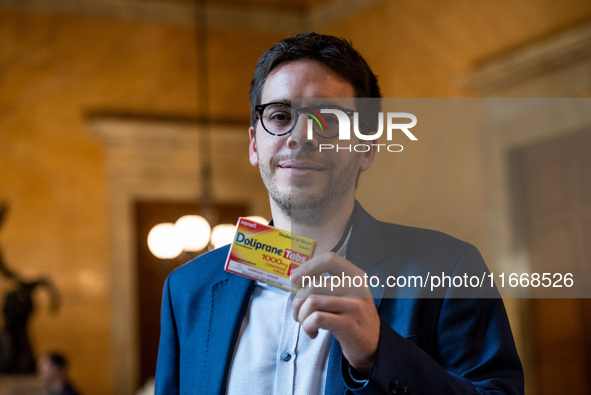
[
  {"x": 263, "y": 15},
  {"x": 279, "y": 4}
]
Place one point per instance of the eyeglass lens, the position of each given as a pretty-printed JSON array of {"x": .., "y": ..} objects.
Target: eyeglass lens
[{"x": 280, "y": 118}]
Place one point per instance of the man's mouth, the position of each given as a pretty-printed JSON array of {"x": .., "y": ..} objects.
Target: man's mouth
[
  {"x": 300, "y": 168},
  {"x": 300, "y": 164}
]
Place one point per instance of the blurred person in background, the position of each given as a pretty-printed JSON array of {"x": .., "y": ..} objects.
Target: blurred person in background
[{"x": 53, "y": 372}]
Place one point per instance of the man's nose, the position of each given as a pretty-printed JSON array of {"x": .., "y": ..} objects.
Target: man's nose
[{"x": 298, "y": 138}]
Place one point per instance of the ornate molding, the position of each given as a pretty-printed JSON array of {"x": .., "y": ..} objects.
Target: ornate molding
[
  {"x": 555, "y": 67},
  {"x": 159, "y": 159}
]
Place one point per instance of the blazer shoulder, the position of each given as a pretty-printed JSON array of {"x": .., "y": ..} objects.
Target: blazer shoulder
[
  {"x": 402, "y": 238},
  {"x": 205, "y": 269},
  {"x": 420, "y": 237}
]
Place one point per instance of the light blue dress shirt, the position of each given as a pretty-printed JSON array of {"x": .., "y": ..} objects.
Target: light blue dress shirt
[{"x": 273, "y": 354}]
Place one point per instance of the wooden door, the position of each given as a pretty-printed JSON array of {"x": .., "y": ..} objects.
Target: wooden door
[{"x": 554, "y": 180}]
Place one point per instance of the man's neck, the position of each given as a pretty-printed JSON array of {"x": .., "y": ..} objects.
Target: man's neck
[
  {"x": 57, "y": 385},
  {"x": 327, "y": 229}
]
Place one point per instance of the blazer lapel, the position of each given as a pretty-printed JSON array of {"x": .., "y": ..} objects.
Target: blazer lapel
[
  {"x": 229, "y": 301},
  {"x": 366, "y": 248},
  {"x": 334, "y": 382}
]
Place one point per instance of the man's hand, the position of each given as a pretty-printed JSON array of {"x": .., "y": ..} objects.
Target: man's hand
[{"x": 348, "y": 312}]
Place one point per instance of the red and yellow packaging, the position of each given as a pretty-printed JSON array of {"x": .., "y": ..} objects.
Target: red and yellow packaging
[{"x": 267, "y": 254}]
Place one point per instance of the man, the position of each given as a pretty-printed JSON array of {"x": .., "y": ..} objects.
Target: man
[
  {"x": 222, "y": 333},
  {"x": 53, "y": 373}
]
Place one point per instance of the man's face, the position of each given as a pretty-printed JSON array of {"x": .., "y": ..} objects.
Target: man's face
[
  {"x": 302, "y": 181},
  {"x": 47, "y": 370}
]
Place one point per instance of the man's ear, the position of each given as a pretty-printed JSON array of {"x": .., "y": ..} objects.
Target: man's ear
[
  {"x": 367, "y": 158},
  {"x": 252, "y": 148}
]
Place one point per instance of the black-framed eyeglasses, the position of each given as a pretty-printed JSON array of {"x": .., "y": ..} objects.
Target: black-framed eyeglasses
[{"x": 279, "y": 118}]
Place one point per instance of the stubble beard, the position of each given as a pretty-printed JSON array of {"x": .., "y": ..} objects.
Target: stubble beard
[{"x": 300, "y": 204}]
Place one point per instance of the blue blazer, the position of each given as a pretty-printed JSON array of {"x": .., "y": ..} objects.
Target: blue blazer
[{"x": 426, "y": 346}]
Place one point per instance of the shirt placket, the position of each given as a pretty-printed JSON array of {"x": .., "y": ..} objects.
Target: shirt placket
[{"x": 286, "y": 355}]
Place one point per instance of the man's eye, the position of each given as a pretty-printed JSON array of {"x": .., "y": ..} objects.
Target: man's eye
[
  {"x": 280, "y": 116},
  {"x": 330, "y": 118}
]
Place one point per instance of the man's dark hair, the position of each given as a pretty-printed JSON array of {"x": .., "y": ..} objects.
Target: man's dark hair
[
  {"x": 57, "y": 360},
  {"x": 336, "y": 53}
]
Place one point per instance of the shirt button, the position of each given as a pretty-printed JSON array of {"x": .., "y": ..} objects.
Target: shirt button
[{"x": 285, "y": 357}]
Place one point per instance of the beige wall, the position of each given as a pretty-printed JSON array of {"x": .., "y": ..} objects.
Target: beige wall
[
  {"x": 56, "y": 69},
  {"x": 428, "y": 49}
]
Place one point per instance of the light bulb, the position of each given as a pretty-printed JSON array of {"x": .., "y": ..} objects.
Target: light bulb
[
  {"x": 194, "y": 232},
  {"x": 222, "y": 234},
  {"x": 163, "y": 241}
]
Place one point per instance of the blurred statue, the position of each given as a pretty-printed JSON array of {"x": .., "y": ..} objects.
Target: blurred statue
[{"x": 16, "y": 352}]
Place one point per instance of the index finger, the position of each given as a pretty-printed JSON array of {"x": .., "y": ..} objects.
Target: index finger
[{"x": 328, "y": 264}]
